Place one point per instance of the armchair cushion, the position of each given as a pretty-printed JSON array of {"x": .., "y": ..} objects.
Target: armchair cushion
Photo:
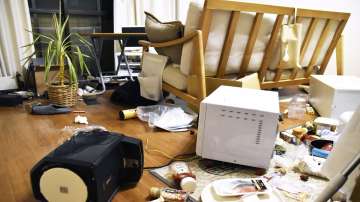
[
  {"x": 158, "y": 31},
  {"x": 217, "y": 34},
  {"x": 173, "y": 76}
]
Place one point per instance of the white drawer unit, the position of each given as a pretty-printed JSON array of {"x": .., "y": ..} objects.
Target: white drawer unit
[{"x": 332, "y": 95}]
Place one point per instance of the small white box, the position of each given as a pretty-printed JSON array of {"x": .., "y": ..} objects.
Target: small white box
[
  {"x": 332, "y": 95},
  {"x": 238, "y": 125}
]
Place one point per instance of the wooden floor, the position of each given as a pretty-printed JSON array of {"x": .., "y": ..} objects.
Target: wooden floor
[{"x": 25, "y": 139}]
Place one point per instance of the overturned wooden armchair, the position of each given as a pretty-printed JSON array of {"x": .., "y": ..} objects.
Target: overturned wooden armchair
[{"x": 232, "y": 39}]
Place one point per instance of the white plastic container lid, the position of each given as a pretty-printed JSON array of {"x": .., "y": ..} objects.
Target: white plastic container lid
[{"x": 188, "y": 184}]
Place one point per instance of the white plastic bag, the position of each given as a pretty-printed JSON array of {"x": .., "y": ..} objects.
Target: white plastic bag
[
  {"x": 290, "y": 45},
  {"x": 167, "y": 117}
]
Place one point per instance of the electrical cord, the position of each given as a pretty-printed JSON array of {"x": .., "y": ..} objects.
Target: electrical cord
[
  {"x": 180, "y": 157},
  {"x": 193, "y": 157}
]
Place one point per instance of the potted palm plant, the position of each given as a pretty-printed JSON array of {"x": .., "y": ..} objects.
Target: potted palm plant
[{"x": 66, "y": 57}]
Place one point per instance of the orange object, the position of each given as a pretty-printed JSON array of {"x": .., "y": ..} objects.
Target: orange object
[{"x": 79, "y": 112}]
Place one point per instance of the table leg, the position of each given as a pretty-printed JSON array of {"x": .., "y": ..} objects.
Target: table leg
[
  {"x": 122, "y": 44},
  {"x": 97, "y": 51}
]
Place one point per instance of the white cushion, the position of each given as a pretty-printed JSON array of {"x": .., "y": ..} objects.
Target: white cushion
[
  {"x": 173, "y": 76},
  {"x": 216, "y": 38},
  {"x": 333, "y": 26},
  {"x": 239, "y": 43}
]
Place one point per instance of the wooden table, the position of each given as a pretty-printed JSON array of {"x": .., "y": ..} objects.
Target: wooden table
[{"x": 25, "y": 139}]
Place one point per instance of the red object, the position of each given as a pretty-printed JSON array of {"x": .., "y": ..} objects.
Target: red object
[
  {"x": 179, "y": 176},
  {"x": 327, "y": 147}
]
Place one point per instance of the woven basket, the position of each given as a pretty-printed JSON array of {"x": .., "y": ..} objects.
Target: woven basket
[{"x": 63, "y": 95}]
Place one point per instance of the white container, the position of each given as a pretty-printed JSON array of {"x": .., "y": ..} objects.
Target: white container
[
  {"x": 238, "y": 125},
  {"x": 332, "y": 95}
]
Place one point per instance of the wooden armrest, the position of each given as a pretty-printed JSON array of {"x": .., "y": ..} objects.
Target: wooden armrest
[
  {"x": 182, "y": 40},
  {"x": 144, "y": 43}
]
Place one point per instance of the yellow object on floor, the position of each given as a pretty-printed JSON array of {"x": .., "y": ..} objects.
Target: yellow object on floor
[{"x": 251, "y": 81}]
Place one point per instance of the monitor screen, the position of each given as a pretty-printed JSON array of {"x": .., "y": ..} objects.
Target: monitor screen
[{"x": 133, "y": 40}]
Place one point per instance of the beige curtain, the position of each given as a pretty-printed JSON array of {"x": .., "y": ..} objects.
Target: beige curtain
[{"x": 14, "y": 21}]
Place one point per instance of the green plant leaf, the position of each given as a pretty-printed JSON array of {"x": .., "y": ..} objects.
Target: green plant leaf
[
  {"x": 55, "y": 24},
  {"x": 48, "y": 60},
  {"x": 80, "y": 58},
  {"x": 31, "y": 44},
  {"x": 47, "y": 68},
  {"x": 27, "y": 59},
  {"x": 63, "y": 26},
  {"x": 85, "y": 56},
  {"x": 82, "y": 39},
  {"x": 49, "y": 37},
  {"x": 87, "y": 69},
  {"x": 65, "y": 41},
  {"x": 88, "y": 45},
  {"x": 72, "y": 71}
]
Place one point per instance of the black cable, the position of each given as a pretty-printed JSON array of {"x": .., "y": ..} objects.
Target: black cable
[{"x": 171, "y": 161}]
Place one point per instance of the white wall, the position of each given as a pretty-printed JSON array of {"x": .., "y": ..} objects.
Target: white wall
[{"x": 351, "y": 33}]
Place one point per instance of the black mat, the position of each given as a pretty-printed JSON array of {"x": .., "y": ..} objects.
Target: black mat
[{"x": 90, "y": 100}]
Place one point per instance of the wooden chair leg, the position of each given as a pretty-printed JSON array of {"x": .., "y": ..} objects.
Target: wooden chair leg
[
  {"x": 340, "y": 56},
  {"x": 198, "y": 65}
]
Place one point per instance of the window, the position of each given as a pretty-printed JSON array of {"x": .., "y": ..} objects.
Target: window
[{"x": 85, "y": 16}]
